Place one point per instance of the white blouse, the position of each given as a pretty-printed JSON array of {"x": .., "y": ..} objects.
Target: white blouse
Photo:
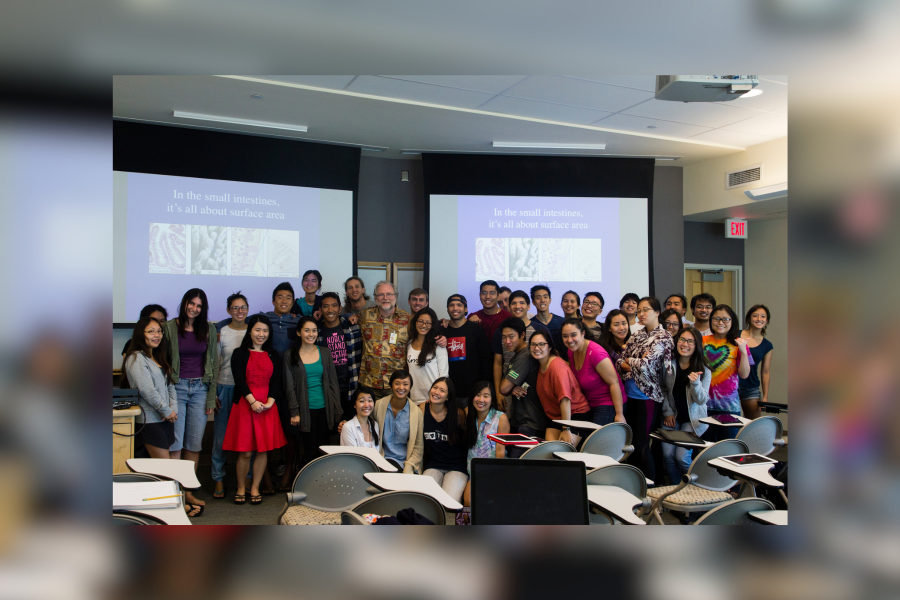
[
  {"x": 352, "y": 435},
  {"x": 423, "y": 377}
]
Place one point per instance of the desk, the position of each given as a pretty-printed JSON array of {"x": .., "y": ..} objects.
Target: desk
[
  {"x": 770, "y": 517},
  {"x": 406, "y": 482},
  {"x": 578, "y": 424},
  {"x": 591, "y": 461},
  {"x": 616, "y": 502},
  {"x": 712, "y": 421},
  {"x": 687, "y": 445},
  {"x": 123, "y": 444},
  {"x": 181, "y": 471},
  {"x": 170, "y": 516},
  {"x": 753, "y": 474},
  {"x": 370, "y": 453}
]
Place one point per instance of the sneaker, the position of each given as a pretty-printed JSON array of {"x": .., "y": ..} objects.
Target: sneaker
[{"x": 280, "y": 470}]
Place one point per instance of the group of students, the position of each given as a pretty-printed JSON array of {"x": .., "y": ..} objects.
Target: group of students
[{"x": 427, "y": 392}]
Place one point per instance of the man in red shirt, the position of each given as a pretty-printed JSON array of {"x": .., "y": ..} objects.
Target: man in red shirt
[{"x": 491, "y": 315}]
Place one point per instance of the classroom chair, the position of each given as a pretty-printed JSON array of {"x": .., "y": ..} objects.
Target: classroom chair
[
  {"x": 545, "y": 450},
  {"x": 612, "y": 440},
  {"x": 762, "y": 435},
  {"x": 136, "y": 478},
  {"x": 390, "y": 503},
  {"x": 131, "y": 518},
  {"x": 702, "y": 488},
  {"x": 325, "y": 487},
  {"x": 735, "y": 512},
  {"x": 627, "y": 477}
]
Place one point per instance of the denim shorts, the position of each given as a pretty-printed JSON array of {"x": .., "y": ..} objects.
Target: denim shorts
[
  {"x": 749, "y": 393},
  {"x": 191, "y": 421}
]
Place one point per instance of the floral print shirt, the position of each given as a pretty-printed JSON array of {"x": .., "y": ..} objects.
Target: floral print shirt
[
  {"x": 384, "y": 346},
  {"x": 652, "y": 354},
  {"x": 484, "y": 448}
]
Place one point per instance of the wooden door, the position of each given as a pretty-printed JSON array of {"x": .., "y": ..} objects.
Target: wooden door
[{"x": 723, "y": 291}]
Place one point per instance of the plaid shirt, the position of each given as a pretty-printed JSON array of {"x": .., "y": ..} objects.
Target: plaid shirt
[
  {"x": 381, "y": 357},
  {"x": 353, "y": 339}
]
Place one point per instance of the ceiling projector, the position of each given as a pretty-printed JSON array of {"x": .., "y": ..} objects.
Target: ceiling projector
[{"x": 704, "y": 88}]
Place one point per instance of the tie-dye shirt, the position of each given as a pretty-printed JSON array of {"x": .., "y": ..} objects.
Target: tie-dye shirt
[{"x": 724, "y": 361}]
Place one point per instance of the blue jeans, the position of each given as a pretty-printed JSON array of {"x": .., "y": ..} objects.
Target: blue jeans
[
  {"x": 603, "y": 414},
  {"x": 191, "y": 421},
  {"x": 517, "y": 451},
  {"x": 717, "y": 433},
  {"x": 677, "y": 459}
]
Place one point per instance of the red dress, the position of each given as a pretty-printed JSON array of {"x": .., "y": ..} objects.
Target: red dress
[{"x": 248, "y": 431}]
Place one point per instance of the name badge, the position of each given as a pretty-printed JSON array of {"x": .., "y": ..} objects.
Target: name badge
[{"x": 394, "y": 337}]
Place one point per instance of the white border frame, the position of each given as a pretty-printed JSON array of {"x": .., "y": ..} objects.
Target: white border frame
[{"x": 737, "y": 285}]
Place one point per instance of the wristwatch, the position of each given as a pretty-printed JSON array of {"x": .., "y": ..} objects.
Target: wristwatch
[{"x": 565, "y": 428}]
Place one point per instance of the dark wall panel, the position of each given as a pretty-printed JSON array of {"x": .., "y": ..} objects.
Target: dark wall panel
[
  {"x": 668, "y": 233},
  {"x": 391, "y": 218}
]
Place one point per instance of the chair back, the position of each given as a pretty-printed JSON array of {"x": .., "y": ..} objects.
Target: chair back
[
  {"x": 610, "y": 440},
  {"x": 735, "y": 513},
  {"x": 545, "y": 450},
  {"x": 132, "y": 518},
  {"x": 760, "y": 434},
  {"x": 707, "y": 476},
  {"x": 390, "y": 503},
  {"x": 334, "y": 482},
  {"x": 351, "y": 518},
  {"x": 627, "y": 477},
  {"x": 135, "y": 478}
]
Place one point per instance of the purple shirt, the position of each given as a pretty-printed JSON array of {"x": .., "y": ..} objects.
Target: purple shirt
[
  {"x": 191, "y": 354},
  {"x": 595, "y": 389}
]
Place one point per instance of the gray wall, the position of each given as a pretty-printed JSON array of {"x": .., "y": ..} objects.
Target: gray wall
[
  {"x": 706, "y": 244},
  {"x": 392, "y": 218},
  {"x": 668, "y": 235}
]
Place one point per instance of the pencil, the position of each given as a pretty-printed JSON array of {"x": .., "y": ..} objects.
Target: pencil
[{"x": 161, "y": 497}]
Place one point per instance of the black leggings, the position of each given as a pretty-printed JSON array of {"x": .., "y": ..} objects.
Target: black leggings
[
  {"x": 316, "y": 436},
  {"x": 642, "y": 416}
]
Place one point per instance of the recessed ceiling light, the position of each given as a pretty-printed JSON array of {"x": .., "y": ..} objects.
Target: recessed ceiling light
[
  {"x": 751, "y": 93},
  {"x": 216, "y": 119},
  {"x": 549, "y": 146},
  {"x": 257, "y": 96},
  {"x": 651, "y": 126}
]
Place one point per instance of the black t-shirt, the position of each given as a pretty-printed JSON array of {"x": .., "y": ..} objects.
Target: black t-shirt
[
  {"x": 469, "y": 356},
  {"x": 336, "y": 342},
  {"x": 439, "y": 453},
  {"x": 526, "y": 411},
  {"x": 680, "y": 394}
]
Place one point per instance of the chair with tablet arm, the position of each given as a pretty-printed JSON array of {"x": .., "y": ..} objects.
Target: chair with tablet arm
[
  {"x": 325, "y": 487},
  {"x": 735, "y": 512},
  {"x": 390, "y": 503},
  {"x": 762, "y": 435},
  {"x": 545, "y": 450},
  {"x": 628, "y": 477},
  {"x": 702, "y": 488},
  {"x": 612, "y": 440}
]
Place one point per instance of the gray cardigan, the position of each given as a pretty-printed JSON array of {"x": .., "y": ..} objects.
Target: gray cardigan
[
  {"x": 297, "y": 394},
  {"x": 697, "y": 396},
  {"x": 157, "y": 394}
]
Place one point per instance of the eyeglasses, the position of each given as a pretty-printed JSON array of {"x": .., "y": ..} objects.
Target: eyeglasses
[
  {"x": 240, "y": 308},
  {"x": 645, "y": 309},
  {"x": 385, "y": 295},
  {"x": 152, "y": 331},
  {"x": 593, "y": 304},
  {"x": 310, "y": 280},
  {"x": 684, "y": 342},
  {"x": 723, "y": 320},
  {"x": 425, "y": 323},
  {"x": 539, "y": 345}
]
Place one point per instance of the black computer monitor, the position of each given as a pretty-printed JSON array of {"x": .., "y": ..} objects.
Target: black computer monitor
[{"x": 528, "y": 492}]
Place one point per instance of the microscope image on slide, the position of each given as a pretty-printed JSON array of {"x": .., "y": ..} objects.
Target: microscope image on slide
[{"x": 538, "y": 259}]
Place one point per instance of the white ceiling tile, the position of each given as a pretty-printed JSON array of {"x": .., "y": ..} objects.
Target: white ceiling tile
[
  {"x": 577, "y": 92},
  {"x": 780, "y": 78},
  {"x": 419, "y": 92},
  {"x": 642, "y": 125},
  {"x": 543, "y": 110},
  {"x": 773, "y": 97},
  {"x": 491, "y": 84},
  {"x": 333, "y": 82},
  {"x": 732, "y": 138},
  {"x": 705, "y": 114},
  {"x": 774, "y": 124},
  {"x": 638, "y": 82}
]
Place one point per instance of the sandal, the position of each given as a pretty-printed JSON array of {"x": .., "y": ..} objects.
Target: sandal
[
  {"x": 190, "y": 508},
  {"x": 256, "y": 500},
  {"x": 240, "y": 498},
  {"x": 219, "y": 494},
  {"x": 268, "y": 492}
]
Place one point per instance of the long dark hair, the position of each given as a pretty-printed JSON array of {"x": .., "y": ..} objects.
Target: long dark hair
[
  {"x": 247, "y": 342},
  {"x": 429, "y": 345},
  {"x": 298, "y": 341},
  {"x": 139, "y": 344},
  {"x": 606, "y": 340},
  {"x": 579, "y": 325},
  {"x": 698, "y": 356},
  {"x": 577, "y": 302},
  {"x": 735, "y": 331},
  {"x": 373, "y": 430},
  {"x": 752, "y": 310},
  {"x": 201, "y": 323},
  {"x": 455, "y": 430},
  {"x": 550, "y": 347},
  {"x": 472, "y": 414}
]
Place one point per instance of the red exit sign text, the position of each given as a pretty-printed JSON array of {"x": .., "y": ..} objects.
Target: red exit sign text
[{"x": 736, "y": 228}]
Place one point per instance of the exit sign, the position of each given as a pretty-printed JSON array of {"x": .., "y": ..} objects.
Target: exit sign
[{"x": 736, "y": 228}]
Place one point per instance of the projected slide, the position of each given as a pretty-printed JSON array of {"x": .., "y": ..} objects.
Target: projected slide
[
  {"x": 222, "y": 236},
  {"x": 579, "y": 244}
]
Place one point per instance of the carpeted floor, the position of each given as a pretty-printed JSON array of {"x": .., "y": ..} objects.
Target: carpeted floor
[{"x": 226, "y": 512}]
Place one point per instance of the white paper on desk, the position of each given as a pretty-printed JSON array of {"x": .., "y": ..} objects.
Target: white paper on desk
[{"x": 130, "y": 495}]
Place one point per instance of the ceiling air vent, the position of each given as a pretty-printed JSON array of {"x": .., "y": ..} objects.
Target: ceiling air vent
[{"x": 738, "y": 178}]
